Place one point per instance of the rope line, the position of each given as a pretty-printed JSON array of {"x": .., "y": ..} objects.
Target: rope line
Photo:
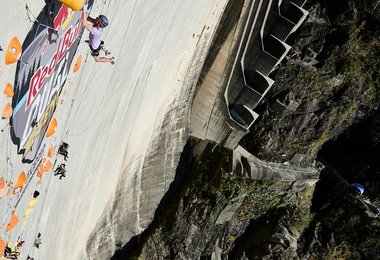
[{"x": 112, "y": 76}]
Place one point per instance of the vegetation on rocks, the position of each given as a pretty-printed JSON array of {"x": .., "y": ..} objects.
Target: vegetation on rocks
[{"x": 213, "y": 210}]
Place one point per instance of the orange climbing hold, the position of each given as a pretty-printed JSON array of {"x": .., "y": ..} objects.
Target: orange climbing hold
[
  {"x": 47, "y": 166},
  {"x": 7, "y": 111},
  {"x": 50, "y": 152},
  {"x": 12, "y": 223},
  {"x": 8, "y": 90},
  {"x": 14, "y": 51},
  {"x": 78, "y": 63},
  {"x": 76, "y": 5},
  {"x": 2, "y": 186},
  {"x": 42, "y": 168},
  {"x": 21, "y": 180},
  {"x": 40, "y": 172},
  {"x": 51, "y": 128},
  {"x": 2, "y": 246}
]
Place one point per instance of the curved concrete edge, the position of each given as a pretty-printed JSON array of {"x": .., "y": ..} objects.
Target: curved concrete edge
[
  {"x": 246, "y": 164},
  {"x": 248, "y": 28},
  {"x": 241, "y": 111},
  {"x": 287, "y": 17}
]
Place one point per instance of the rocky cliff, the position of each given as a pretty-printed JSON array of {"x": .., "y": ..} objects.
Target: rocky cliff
[{"x": 322, "y": 112}]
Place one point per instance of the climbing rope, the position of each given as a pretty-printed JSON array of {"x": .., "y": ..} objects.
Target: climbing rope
[
  {"x": 29, "y": 13},
  {"x": 112, "y": 76}
]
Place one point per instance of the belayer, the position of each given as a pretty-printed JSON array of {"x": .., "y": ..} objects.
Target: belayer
[{"x": 96, "y": 27}]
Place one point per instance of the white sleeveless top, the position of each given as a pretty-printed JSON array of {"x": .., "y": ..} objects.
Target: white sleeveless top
[{"x": 95, "y": 37}]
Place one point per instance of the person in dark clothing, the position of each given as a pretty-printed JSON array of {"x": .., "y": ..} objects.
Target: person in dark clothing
[
  {"x": 63, "y": 150},
  {"x": 61, "y": 170},
  {"x": 37, "y": 241},
  {"x": 9, "y": 254}
]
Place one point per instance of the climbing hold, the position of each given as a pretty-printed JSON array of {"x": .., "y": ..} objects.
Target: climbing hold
[
  {"x": 2, "y": 185},
  {"x": 3, "y": 244},
  {"x": 50, "y": 151},
  {"x": 8, "y": 90},
  {"x": 40, "y": 172},
  {"x": 12, "y": 223},
  {"x": 7, "y": 111},
  {"x": 77, "y": 63},
  {"x": 14, "y": 51},
  {"x": 47, "y": 166},
  {"x": 21, "y": 180},
  {"x": 51, "y": 128},
  {"x": 76, "y": 5}
]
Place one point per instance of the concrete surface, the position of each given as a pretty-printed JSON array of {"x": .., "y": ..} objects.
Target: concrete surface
[{"x": 110, "y": 116}]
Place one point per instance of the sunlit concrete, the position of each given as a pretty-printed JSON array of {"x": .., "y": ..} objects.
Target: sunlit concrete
[{"x": 108, "y": 114}]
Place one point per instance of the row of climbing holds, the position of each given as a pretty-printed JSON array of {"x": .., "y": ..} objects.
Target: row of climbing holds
[
  {"x": 7, "y": 110},
  {"x": 12, "y": 54}
]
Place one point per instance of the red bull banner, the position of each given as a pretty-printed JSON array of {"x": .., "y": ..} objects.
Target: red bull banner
[{"x": 41, "y": 72}]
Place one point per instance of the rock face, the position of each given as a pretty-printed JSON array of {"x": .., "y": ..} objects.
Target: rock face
[
  {"x": 210, "y": 213},
  {"x": 321, "y": 116}
]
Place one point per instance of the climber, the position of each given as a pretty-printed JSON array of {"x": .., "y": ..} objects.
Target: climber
[
  {"x": 37, "y": 241},
  {"x": 9, "y": 254},
  {"x": 61, "y": 170},
  {"x": 96, "y": 26},
  {"x": 63, "y": 150}
]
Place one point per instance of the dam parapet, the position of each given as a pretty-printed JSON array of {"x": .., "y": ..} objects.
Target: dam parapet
[{"x": 237, "y": 76}]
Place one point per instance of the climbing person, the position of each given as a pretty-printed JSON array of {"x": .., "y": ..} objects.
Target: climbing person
[
  {"x": 61, "y": 170},
  {"x": 7, "y": 251},
  {"x": 96, "y": 26},
  {"x": 9, "y": 254},
  {"x": 63, "y": 150},
  {"x": 37, "y": 241},
  {"x": 19, "y": 244}
]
